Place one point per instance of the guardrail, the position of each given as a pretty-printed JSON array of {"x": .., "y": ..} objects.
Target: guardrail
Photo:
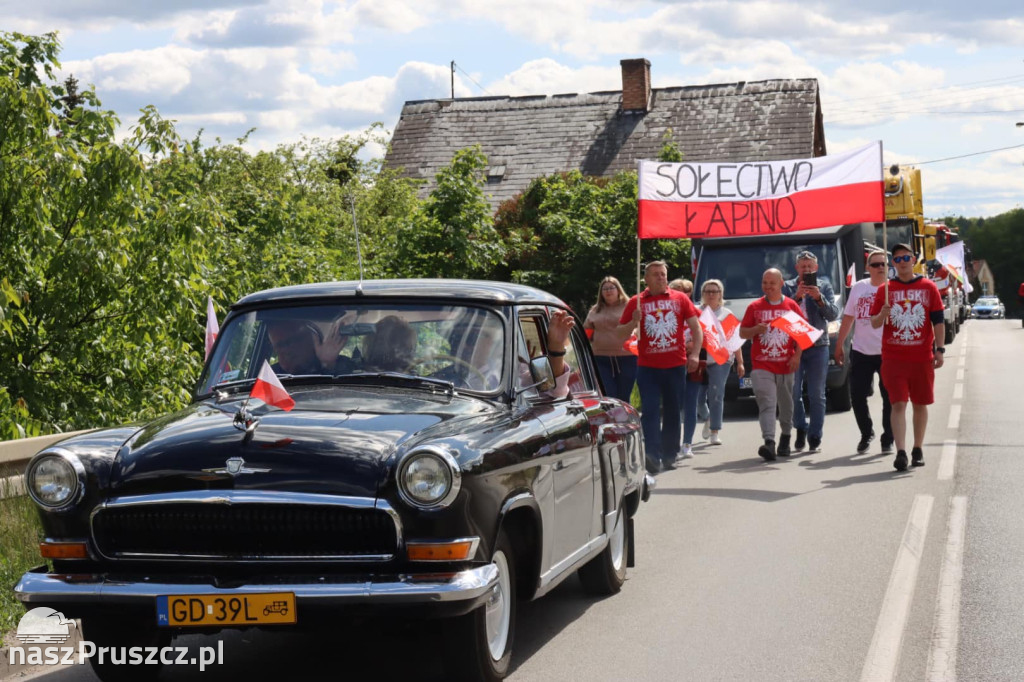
[{"x": 15, "y": 454}]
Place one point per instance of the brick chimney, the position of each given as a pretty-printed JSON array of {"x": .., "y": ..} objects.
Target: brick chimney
[{"x": 636, "y": 84}]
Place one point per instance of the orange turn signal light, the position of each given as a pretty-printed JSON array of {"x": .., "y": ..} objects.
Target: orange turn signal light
[
  {"x": 64, "y": 550},
  {"x": 455, "y": 550}
]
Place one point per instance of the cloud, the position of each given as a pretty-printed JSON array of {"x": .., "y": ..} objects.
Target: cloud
[{"x": 549, "y": 77}]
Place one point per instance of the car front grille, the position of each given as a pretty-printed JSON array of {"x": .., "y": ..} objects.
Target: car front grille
[{"x": 244, "y": 531}]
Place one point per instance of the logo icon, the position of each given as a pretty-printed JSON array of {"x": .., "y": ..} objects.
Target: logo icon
[
  {"x": 43, "y": 625},
  {"x": 235, "y": 466}
]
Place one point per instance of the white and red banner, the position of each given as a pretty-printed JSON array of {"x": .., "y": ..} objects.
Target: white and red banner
[
  {"x": 212, "y": 328},
  {"x": 798, "y": 329},
  {"x": 270, "y": 390},
  {"x": 695, "y": 200}
]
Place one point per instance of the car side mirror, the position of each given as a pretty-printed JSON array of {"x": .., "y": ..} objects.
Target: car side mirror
[{"x": 542, "y": 374}]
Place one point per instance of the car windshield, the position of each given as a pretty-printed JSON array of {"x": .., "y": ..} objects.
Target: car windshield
[
  {"x": 987, "y": 301},
  {"x": 463, "y": 345},
  {"x": 740, "y": 268}
]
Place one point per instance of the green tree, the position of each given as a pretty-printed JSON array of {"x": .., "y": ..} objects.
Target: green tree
[
  {"x": 1000, "y": 241},
  {"x": 567, "y": 231},
  {"x": 452, "y": 234},
  {"x": 98, "y": 268}
]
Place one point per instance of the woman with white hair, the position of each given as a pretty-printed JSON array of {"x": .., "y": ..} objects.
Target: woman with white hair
[{"x": 711, "y": 396}]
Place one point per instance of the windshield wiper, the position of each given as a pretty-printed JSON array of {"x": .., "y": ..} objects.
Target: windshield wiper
[{"x": 362, "y": 377}]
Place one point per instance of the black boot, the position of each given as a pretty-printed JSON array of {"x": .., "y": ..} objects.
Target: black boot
[
  {"x": 783, "y": 450},
  {"x": 801, "y": 440},
  {"x": 767, "y": 451}
]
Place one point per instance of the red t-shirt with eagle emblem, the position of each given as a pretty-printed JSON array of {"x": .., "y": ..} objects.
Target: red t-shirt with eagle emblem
[
  {"x": 772, "y": 350},
  {"x": 663, "y": 317},
  {"x": 908, "y": 333}
]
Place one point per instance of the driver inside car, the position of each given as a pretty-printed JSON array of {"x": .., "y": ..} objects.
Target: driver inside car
[{"x": 301, "y": 348}]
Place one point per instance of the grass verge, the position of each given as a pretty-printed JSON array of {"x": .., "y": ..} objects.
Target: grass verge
[{"x": 20, "y": 533}]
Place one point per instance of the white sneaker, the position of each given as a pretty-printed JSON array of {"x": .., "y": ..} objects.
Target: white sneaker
[
  {"x": 706, "y": 431},
  {"x": 715, "y": 440},
  {"x": 687, "y": 452}
]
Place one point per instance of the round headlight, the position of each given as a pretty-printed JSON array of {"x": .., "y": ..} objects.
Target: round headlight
[
  {"x": 429, "y": 478},
  {"x": 56, "y": 480}
]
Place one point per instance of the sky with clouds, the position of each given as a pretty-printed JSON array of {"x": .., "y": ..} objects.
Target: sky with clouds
[{"x": 932, "y": 84}]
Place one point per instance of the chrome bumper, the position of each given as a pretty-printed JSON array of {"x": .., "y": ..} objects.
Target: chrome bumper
[{"x": 469, "y": 585}]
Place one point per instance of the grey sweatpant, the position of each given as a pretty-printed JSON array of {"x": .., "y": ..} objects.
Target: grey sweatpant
[{"x": 773, "y": 391}]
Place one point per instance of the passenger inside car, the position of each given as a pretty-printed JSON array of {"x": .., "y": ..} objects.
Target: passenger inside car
[{"x": 391, "y": 348}]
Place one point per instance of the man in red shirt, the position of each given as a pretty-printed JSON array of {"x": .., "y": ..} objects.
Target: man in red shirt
[
  {"x": 911, "y": 309},
  {"x": 774, "y": 357},
  {"x": 663, "y": 314}
]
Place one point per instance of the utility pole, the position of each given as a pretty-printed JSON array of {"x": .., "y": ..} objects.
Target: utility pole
[{"x": 453, "y": 79}]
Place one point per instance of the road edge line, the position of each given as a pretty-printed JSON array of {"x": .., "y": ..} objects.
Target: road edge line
[{"x": 884, "y": 653}]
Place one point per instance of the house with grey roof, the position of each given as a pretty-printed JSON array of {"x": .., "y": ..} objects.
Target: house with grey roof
[{"x": 603, "y": 133}]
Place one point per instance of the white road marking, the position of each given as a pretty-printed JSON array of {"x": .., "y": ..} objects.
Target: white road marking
[
  {"x": 945, "y": 630},
  {"x": 962, "y": 361},
  {"x": 947, "y": 465},
  {"x": 958, "y": 391},
  {"x": 884, "y": 654},
  {"x": 963, "y": 349},
  {"x": 960, "y": 374},
  {"x": 954, "y": 416}
]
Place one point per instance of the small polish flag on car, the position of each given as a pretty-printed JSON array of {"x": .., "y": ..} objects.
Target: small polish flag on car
[
  {"x": 212, "y": 328},
  {"x": 851, "y": 275},
  {"x": 799, "y": 329},
  {"x": 269, "y": 389}
]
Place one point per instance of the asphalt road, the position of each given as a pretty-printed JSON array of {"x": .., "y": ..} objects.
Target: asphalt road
[{"x": 826, "y": 566}]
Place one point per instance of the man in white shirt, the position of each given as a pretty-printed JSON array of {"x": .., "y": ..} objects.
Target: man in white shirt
[{"x": 866, "y": 354}]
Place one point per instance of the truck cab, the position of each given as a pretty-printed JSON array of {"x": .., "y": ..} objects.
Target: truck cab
[{"x": 739, "y": 262}]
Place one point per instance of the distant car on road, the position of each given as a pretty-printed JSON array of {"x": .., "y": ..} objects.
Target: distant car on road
[
  {"x": 428, "y": 466},
  {"x": 988, "y": 307}
]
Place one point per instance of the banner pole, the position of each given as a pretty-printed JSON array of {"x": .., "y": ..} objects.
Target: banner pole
[
  {"x": 638, "y": 279},
  {"x": 885, "y": 228}
]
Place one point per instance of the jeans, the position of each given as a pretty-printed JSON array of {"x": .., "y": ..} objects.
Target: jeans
[
  {"x": 862, "y": 373},
  {"x": 813, "y": 369},
  {"x": 661, "y": 391},
  {"x": 711, "y": 398},
  {"x": 774, "y": 394},
  {"x": 618, "y": 374},
  {"x": 690, "y": 395}
]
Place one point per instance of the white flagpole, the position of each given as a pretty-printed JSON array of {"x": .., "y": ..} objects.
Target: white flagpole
[{"x": 638, "y": 278}]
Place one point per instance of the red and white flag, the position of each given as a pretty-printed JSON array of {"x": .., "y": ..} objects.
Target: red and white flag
[
  {"x": 713, "y": 341},
  {"x": 851, "y": 275},
  {"x": 730, "y": 328},
  {"x": 799, "y": 329},
  {"x": 212, "y": 328},
  {"x": 695, "y": 199},
  {"x": 269, "y": 389}
]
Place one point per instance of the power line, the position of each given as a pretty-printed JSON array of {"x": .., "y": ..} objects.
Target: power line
[
  {"x": 972, "y": 85},
  {"x": 964, "y": 156}
]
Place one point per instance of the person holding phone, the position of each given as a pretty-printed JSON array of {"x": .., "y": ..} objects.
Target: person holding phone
[{"x": 817, "y": 301}]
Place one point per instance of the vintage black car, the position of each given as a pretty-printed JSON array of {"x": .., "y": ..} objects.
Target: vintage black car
[{"x": 430, "y": 462}]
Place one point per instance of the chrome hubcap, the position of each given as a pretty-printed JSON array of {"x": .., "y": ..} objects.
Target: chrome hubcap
[{"x": 498, "y": 609}]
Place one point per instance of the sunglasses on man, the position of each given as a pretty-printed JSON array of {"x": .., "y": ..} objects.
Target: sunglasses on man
[{"x": 905, "y": 258}]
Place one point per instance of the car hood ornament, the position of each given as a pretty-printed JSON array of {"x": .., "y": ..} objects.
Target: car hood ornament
[
  {"x": 245, "y": 420},
  {"x": 235, "y": 466}
]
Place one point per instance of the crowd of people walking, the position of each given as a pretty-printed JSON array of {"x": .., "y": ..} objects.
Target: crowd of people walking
[{"x": 684, "y": 352}]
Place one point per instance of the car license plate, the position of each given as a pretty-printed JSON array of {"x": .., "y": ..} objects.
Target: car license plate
[
  {"x": 271, "y": 608},
  {"x": 745, "y": 382}
]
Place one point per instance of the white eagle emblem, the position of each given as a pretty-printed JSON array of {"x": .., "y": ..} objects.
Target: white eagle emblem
[
  {"x": 907, "y": 319},
  {"x": 661, "y": 330},
  {"x": 774, "y": 342}
]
